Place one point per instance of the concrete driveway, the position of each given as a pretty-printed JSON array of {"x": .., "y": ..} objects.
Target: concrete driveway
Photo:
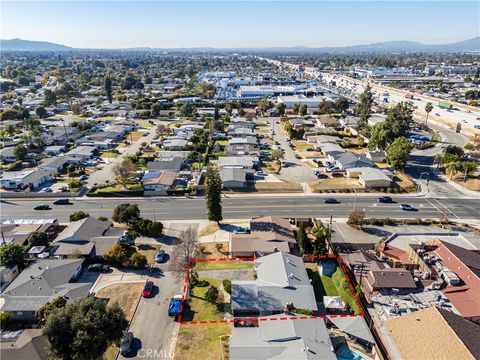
[{"x": 155, "y": 332}]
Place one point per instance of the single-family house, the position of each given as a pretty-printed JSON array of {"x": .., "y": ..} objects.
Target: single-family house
[
  {"x": 300, "y": 340},
  {"x": 331, "y": 149},
  {"x": 82, "y": 152},
  {"x": 18, "y": 230},
  {"x": 244, "y": 162},
  {"x": 348, "y": 160},
  {"x": 26, "y": 178},
  {"x": 57, "y": 164},
  {"x": 40, "y": 282},
  {"x": 233, "y": 177},
  {"x": 170, "y": 164},
  {"x": 174, "y": 144},
  {"x": 267, "y": 235},
  {"x": 158, "y": 180},
  {"x": 369, "y": 177},
  {"x": 54, "y": 150},
  {"x": 282, "y": 281}
]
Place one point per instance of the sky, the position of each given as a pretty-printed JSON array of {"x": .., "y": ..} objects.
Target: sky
[{"x": 228, "y": 24}]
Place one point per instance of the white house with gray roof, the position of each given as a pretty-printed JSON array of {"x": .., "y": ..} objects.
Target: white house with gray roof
[
  {"x": 41, "y": 282},
  {"x": 281, "y": 279}
]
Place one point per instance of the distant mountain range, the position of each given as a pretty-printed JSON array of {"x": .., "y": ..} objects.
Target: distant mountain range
[{"x": 471, "y": 45}]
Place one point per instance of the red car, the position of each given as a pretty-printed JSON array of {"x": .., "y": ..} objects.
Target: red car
[{"x": 147, "y": 289}]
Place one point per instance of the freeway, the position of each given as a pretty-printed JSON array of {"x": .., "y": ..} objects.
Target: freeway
[{"x": 253, "y": 206}]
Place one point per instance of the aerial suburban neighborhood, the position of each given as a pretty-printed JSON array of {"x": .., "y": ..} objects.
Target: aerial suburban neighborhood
[{"x": 208, "y": 199}]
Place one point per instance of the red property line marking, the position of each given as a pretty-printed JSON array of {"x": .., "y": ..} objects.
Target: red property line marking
[{"x": 336, "y": 257}]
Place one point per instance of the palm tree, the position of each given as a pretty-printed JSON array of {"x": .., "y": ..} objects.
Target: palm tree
[
  {"x": 468, "y": 168},
  {"x": 438, "y": 159},
  {"x": 428, "y": 110},
  {"x": 451, "y": 169}
]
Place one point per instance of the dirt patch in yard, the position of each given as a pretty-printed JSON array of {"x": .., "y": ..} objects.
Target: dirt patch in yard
[
  {"x": 126, "y": 295},
  {"x": 202, "y": 342},
  {"x": 135, "y": 135},
  {"x": 404, "y": 181},
  {"x": 210, "y": 229},
  {"x": 213, "y": 250},
  {"x": 149, "y": 251}
]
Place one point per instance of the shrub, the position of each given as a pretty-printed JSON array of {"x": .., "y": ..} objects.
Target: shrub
[
  {"x": 137, "y": 260},
  {"x": 211, "y": 295},
  {"x": 227, "y": 286},
  {"x": 79, "y": 215},
  {"x": 303, "y": 311},
  {"x": 148, "y": 227},
  {"x": 102, "y": 218},
  {"x": 126, "y": 214},
  {"x": 201, "y": 283},
  {"x": 4, "y": 316},
  {"x": 116, "y": 256}
]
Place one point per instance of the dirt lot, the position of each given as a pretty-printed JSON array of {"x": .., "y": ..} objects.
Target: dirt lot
[
  {"x": 278, "y": 187},
  {"x": 470, "y": 184},
  {"x": 126, "y": 295},
  {"x": 202, "y": 342},
  {"x": 335, "y": 184},
  {"x": 404, "y": 181},
  {"x": 213, "y": 250}
]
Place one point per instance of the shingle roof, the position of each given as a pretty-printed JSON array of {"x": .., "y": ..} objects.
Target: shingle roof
[
  {"x": 84, "y": 229},
  {"x": 31, "y": 345},
  {"x": 391, "y": 278}
]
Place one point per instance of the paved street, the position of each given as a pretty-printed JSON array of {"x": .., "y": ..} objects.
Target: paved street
[
  {"x": 106, "y": 173},
  {"x": 253, "y": 206}
]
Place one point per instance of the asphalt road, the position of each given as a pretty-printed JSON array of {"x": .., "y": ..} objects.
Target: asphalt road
[
  {"x": 254, "y": 206},
  {"x": 155, "y": 332}
]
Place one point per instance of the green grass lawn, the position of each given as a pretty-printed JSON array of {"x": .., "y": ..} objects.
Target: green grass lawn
[
  {"x": 328, "y": 285},
  {"x": 345, "y": 292},
  {"x": 223, "y": 265},
  {"x": 260, "y": 122},
  {"x": 108, "y": 155},
  {"x": 222, "y": 142},
  {"x": 302, "y": 145},
  {"x": 146, "y": 124},
  {"x": 198, "y": 308}
]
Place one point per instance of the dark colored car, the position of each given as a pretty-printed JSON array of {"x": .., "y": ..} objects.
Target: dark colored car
[
  {"x": 62, "y": 202},
  {"x": 322, "y": 176},
  {"x": 160, "y": 256},
  {"x": 336, "y": 174},
  {"x": 385, "y": 199},
  {"x": 42, "y": 207},
  {"x": 407, "y": 207},
  {"x": 126, "y": 344},
  {"x": 147, "y": 289},
  {"x": 98, "y": 268},
  {"x": 330, "y": 201}
]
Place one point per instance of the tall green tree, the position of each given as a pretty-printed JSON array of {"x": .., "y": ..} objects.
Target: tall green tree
[
  {"x": 302, "y": 240},
  {"x": 84, "y": 329},
  {"x": 50, "y": 97},
  {"x": 281, "y": 107},
  {"x": 108, "y": 88},
  {"x": 364, "y": 107},
  {"x": 397, "y": 153},
  {"x": 126, "y": 214},
  {"x": 213, "y": 194},
  {"x": 428, "y": 110},
  {"x": 41, "y": 112},
  {"x": 20, "y": 151},
  {"x": 12, "y": 253},
  {"x": 303, "y": 110}
]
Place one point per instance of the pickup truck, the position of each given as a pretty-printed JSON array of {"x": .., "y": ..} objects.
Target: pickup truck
[{"x": 175, "y": 306}]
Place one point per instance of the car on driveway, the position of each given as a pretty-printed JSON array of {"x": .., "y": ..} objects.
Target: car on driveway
[
  {"x": 160, "y": 256},
  {"x": 331, "y": 201},
  {"x": 126, "y": 344},
  {"x": 297, "y": 156},
  {"x": 98, "y": 268},
  {"x": 147, "y": 289},
  {"x": 476, "y": 126},
  {"x": 62, "y": 202},
  {"x": 385, "y": 199},
  {"x": 42, "y": 207},
  {"x": 407, "y": 207}
]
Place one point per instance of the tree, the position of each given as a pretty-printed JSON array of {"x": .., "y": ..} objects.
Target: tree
[
  {"x": 263, "y": 105},
  {"x": 188, "y": 110},
  {"x": 469, "y": 147},
  {"x": 78, "y": 215},
  {"x": 124, "y": 171},
  {"x": 20, "y": 151},
  {"x": 438, "y": 158},
  {"x": 155, "y": 109},
  {"x": 451, "y": 168},
  {"x": 356, "y": 218},
  {"x": 428, "y": 110},
  {"x": 43, "y": 313},
  {"x": 10, "y": 129},
  {"x": 137, "y": 260},
  {"x": 276, "y": 154},
  {"x": 84, "y": 329},
  {"x": 364, "y": 107},
  {"x": 303, "y": 110},
  {"x": 281, "y": 107},
  {"x": 454, "y": 150},
  {"x": 213, "y": 194},
  {"x": 108, "y": 88},
  {"x": 116, "y": 256},
  {"x": 9, "y": 115},
  {"x": 38, "y": 238},
  {"x": 468, "y": 168},
  {"x": 76, "y": 109},
  {"x": 41, "y": 112},
  {"x": 342, "y": 104},
  {"x": 12, "y": 254},
  {"x": 380, "y": 136},
  {"x": 398, "y": 152},
  {"x": 183, "y": 252},
  {"x": 4, "y": 317},
  {"x": 50, "y": 97},
  {"x": 126, "y": 214},
  {"x": 398, "y": 119},
  {"x": 211, "y": 295},
  {"x": 326, "y": 107},
  {"x": 303, "y": 241}
]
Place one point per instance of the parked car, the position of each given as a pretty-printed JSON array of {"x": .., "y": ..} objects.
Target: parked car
[
  {"x": 175, "y": 306},
  {"x": 160, "y": 256},
  {"x": 98, "y": 268},
  {"x": 62, "y": 202},
  {"x": 260, "y": 173},
  {"x": 147, "y": 289},
  {"x": 42, "y": 207},
  {"x": 476, "y": 126},
  {"x": 385, "y": 199},
  {"x": 82, "y": 177},
  {"x": 331, "y": 201},
  {"x": 321, "y": 175},
  {"x": 407, "y": 207},
  {"x": 297, "y": 156},
  {"x": 126, "y": 344},
  {"x": 46, "y": 190},
  {"x": 336, "y": 174},
  {"x": 125, "y": 240}
]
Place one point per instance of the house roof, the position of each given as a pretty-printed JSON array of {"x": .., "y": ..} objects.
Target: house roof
[
  {"x": 306, "y": 339},
  {"x": 82, "y": 150},
  {"x": 353, "y": 325},
  {"x": 426, "y": 334},
  {"x": 391, "y": 278},
  {"x": 84, "y": 229},
  {"x": 370, "y": 174},
  {"x": 233, "y": 174},
  {"x": 31, "y": 345},
  {"x": 166, "y": 178},
  {"x": 56, "y": 161},
  {"x": 41, "y": 281},
  {"x": 243, "y": 161},
  {"x": 281, "y": 278},
  {"x": 172, "y": 163},
  {"x": 348, "y": 158}
]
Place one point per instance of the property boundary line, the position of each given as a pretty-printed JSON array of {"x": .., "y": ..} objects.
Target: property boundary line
[{"x": 281, "y": 317}]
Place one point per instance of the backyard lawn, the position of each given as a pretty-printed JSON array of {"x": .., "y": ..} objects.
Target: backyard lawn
[
  {"x": 322, "y": 285},
  {"x": 198, "y": 308},
  {"x": 108, "y": 155},
  {"x": 223, "y": 265},
  {"x": 302, "y": 145},
  {"x": 145, "y": 124}
]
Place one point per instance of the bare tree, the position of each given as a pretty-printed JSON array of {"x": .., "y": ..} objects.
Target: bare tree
[
  {"x": 183, "y": 252},
  {"x": 124, "y": 171}
]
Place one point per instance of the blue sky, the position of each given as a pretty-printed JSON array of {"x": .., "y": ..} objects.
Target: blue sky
[{"x": 114, "y": 24}]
